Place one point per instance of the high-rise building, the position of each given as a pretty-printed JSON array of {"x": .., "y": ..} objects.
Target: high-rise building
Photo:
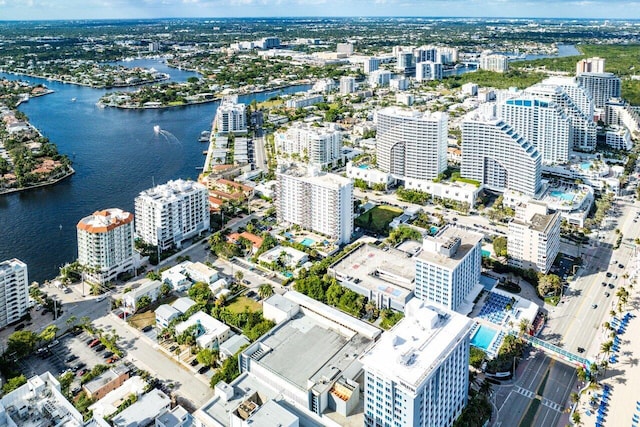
[
  {"x": 417, "y": 374},
  {"x": 105, "y": 244},
  {"x": 317, "y": 145},
  {"x": 448, "y": 267},
  {"x": 428, "y": 70},
  {"x": 534, "y": 237},
  {"x": 379, "y": 78},
  {"x": 411, "y": 143},
  {"x": 346, "y": 48},
  {"x": 14, "y": 291},
  {"x": 347, "y": 85},
  {"x": 426, "y": 53},
  {"x": 371, "y": 64},
  {"x": 620, "y": 113},
  {"x": 168, "y": 214},
  {"x": 543, "y": 123},
  {"x": 495, "y": 155},
  {"x": 447, "y": 55},
  {"x": 577, "y": 104},
  {"x": 590, "y": 65},
  {"x": 231, "y": 117},
  {"x": 601, "y": 86},
  {"x": 319, "y": 202},
  {"x": 494, "y": 62},
  {"x": 405, "y": 60}
]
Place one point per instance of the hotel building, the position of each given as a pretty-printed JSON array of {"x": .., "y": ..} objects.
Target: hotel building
[
  {"x": 495, "y": 155},
  {"x": 449, "y": 266},
  {"x": 169, "y": 214},
  {"x": 601, "y": 86},
  {"x": 317, "y": 145},
  {"x": 416, "y": 374},
  {"x": 105, "y": 245}
]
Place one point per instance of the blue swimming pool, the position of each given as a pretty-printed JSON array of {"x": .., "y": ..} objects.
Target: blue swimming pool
[
  {"x": 307, "y": 242},
  {"x": 584, "y": 166},
  {"x": 562, "y": 195},
  {"x": 483, "y": 337},
  {"x": 363, "y": 166},
  {"x": 485, "y": 253}
]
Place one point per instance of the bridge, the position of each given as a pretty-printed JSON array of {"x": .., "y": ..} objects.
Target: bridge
[{"x": 558, "y": 352}]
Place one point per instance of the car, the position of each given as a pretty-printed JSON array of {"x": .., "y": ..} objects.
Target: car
[
  {"x": 194, "y": 362},
  {"x": 251, "y": 294},
  {"x": 604, "y": 284},
  {"x": 81, "y": 372},
  {"x": 94, "y": 343},
  {"x": 203, "y": 370},
  {"x": 606, "y": 294},
  {"x": 67, "y": 290},
  {"x": 71, "y": 358},
  {"x": 107, "y": 354},
  {"x": 620, "y": 266},
  {"x": 112, "y": 359},
  {"x": 121, "y": 314},
  {"x": 246, "y": 282},
  {"x": 100, "y": 298},
  {"x": 611, "y": 286},
  {"x": 580, "y": 350},
  {"x": 76, "y": 390},
  {"x": 609, "y": 274},
  {"x": 594, "y": 305},
  {"x": 53, "y": 343},
  {"x": 99, "y": 348},
  {"x": 455, "y": 218},
  {"x": 19, "y": 327},
  {"x": 173, "y": 347},
  {"x": 147, "y": 328},
  {"x": 38, "y": 307}
]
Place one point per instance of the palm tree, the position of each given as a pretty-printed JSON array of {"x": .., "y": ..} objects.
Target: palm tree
[
  {"x": 604, "y": 365},
  {"x": 606, "y": 347},
  {"x": 581, "y": 373},
  {"x": 575, "y": 397},
  {"x": 265, "y": 290}
]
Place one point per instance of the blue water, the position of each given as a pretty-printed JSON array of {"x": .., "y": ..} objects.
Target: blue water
[
  {"x": 307, "y": 242},
  {"x": 485, "y": 253},
  {"x": 363, "y": 166},
  {"x": 483, "y": 337},
  {"x": 561, "y": 194},
  {"x": 585, "y": 166},
  {"x": 115, "y": 153}
]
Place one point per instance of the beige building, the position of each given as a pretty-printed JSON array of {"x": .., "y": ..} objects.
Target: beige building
[{"x": 534, "y": 237}]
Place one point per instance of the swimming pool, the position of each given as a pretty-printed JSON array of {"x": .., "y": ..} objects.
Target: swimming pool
[
  {"x": 562, "y": 195},
  {"x": 584, "y": 166},
  {"x": 485, "y": 253},
  {"x": 307, "y": 242},
  {"x": 363, "y": 166},
  {"x": 483, "y": 337}
]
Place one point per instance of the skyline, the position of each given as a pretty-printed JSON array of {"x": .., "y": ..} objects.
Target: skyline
[{"x": 15, "y": 10}]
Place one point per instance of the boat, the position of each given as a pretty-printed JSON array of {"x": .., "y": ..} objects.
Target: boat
[
  {"x": 156, "y": 129},
  {"x": 205, "y": 135},
  {"x": 73, "y": 99}
]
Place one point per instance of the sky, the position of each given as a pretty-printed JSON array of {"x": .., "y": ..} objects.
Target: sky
[{"x": 121, "y": 9}]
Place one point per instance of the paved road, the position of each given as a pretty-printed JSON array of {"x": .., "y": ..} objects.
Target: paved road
[
  {"x": 260, "y": 153},
  {"x": 143, "y": 353}
]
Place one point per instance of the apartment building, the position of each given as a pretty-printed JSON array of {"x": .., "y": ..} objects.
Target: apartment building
[
  {"x": 231, "y": 117},
  {"x": 319, "y": 202},
  {"x": 171, "y": 213},
  {"x": 590, "y": 65},
  {"x": 534, "y": 237},
  {"x": 311, "y": 143},
  {"x": 494, "y": 62},
  {"x": 410, "y": 143},
  {"x": 14, "y": 291},
  {"x": 428, "y": 70},
  {"x": 105, "y": 244},
  {"x": 347, "y": 85},
  {"x": 601, "y": 86}
]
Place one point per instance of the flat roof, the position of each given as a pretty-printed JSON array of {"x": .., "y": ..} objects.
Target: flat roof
[
  {"x": 413, "y": 349},
  {"x": 272, "y": 414},
  {"x": 376, "y": 269},
  {"x": 321, "y": 352},
  {"x": 468, "y": 240},
  {"x": 144, "y": 410}
]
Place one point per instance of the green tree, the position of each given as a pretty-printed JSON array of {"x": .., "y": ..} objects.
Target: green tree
[
  {"x": 549, "y": 284},
  {"x": 200, "y": 292},
  {"x": 21, "y": 343},
  {"x": 207, "y": 357},
  {"x": 265, "y": 290},
  {"x": 143, "y": 303},
  {"x": 48, "y": 333},
  {"x": 500, "y": 246},
  {"x": 13, "y": 383}
]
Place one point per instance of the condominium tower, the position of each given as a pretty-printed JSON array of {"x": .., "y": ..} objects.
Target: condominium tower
[
  {"x": 534, "y": 237},
  {"x": 14, "y": 291},
  {"x": 495, "y": 155},
  {"x": 231, "y": 117},
  {"x": 319, "y": 202},
  {"x": 448, "y": 267},
  {"x": 494, "y": 62},
  {"x": 411, "y": 143},
  {"x": 105, "y": 244},
  {"x": 168, "y": 214},
  {"x": 428, "y": 70},
  {"x": 347, "y": 85},
  {"x": 416, "y": 374},
  {"x": 590, "y": 65},
  {"x": 601, "y": 86},
  {"x": 543, "y": 123},
  {"x": 315, "y": 144}
]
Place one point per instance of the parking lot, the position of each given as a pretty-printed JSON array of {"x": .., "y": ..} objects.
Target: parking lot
[{"x": 71, "y": 352}]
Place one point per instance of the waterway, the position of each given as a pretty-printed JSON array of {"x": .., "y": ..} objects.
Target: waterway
[{"x": 116, "y": 154}]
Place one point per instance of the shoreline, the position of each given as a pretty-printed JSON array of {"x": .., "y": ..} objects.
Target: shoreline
[
  {"x": 206, "y": 101},
  {"x": 59, "y": 80},
  {"x": 40, "y": 184}
]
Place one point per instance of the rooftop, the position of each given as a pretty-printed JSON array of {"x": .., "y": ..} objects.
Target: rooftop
[
  {"x": 443, "y": 249},
  {"x": 144, "y": 410},
  {"x": 413, "y": 349},
  {"x": 105, "y": 220}
]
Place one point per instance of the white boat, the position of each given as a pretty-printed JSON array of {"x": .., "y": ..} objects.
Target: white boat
[
  {"x": 73, "y": 99},
  {"x": 205, "y": 135},
  {"x": 156, "y": 129}
]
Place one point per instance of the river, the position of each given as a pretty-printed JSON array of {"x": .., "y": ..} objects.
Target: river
[{"x": 116, "y": 154}]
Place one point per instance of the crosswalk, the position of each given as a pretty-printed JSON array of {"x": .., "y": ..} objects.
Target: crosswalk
[{"x": 545, "y": 402}]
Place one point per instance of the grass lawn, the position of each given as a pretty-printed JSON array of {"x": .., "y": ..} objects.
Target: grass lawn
[
  {"x": 141, "y": 320},
  {"x": 378, "y": 218},
  {"x": 271, "y": 104},
  {"x": 238, "y": 305}
]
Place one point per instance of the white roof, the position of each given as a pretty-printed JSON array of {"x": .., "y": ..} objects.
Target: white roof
[
  {"x": 145, "y": 287},
  {"x": 144, "y": 410},
  {"x": 280, "y": 302},
  {"x": 165, "y": 311},
  {"x": 183, "y": 304},
  {"x": 414, "y": 348},
  {"x": 209, "y": 324}
]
